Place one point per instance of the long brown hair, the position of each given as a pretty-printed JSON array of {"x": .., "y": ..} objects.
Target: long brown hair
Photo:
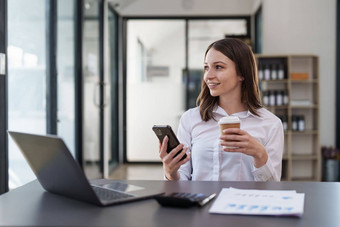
[{"x": 244, "y": 59}]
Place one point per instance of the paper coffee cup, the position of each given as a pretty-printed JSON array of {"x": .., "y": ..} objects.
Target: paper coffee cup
[{"x": 229, "y": 122}]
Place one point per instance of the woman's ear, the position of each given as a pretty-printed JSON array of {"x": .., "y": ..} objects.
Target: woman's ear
[{"x": 240, "y": 78}]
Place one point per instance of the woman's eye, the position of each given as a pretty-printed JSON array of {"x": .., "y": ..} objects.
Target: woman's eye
[
  {"x": 205, "y": 68},
  {"x": 218, "y": 67}
]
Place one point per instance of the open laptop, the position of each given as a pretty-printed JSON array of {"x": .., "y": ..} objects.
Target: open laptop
[{"x": 59, "y": 173}]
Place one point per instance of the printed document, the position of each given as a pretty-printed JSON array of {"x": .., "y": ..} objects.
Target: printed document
[{"x": 258, "y": 202}]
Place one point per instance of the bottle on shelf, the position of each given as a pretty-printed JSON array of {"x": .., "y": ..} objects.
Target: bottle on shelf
[
  {"x": 260, "y": 70},
  {"x": 275, "y": 98},
  {"x": 265, "y": 98},
  {"x": 280, "y": 72},
  {"x": 295, "y": 123},
  {"x": 285, "y": 97},
  {"x": 273, "y": 72},
  {"x": 279, "y": 98},
  {"x": 285, "y": 122},
  {"x": 272, "y": 97},
  {"x": 301, "y": 123},
  {"x": 266, "y": 72}
]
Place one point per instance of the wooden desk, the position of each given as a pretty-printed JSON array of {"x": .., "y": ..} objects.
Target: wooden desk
[{"x": 30, "y": 205}]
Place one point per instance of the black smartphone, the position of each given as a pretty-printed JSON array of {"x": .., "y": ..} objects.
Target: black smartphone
[{"x": 165, "y": 130}]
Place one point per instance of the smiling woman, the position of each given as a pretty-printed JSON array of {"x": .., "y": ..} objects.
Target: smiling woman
[
  {"x": 252, "y": 152},
  {"x": 221, "y": 78},
  {"x": 236, "y": 75}
]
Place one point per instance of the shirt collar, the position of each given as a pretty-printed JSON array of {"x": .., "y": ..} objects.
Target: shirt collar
[{"x": 244, "y": 114}]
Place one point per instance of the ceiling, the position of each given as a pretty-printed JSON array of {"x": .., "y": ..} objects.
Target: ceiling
[{"x": 183, "y": 7}]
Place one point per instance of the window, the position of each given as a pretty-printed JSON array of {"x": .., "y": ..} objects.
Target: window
[{"x": 26, "y": 79}]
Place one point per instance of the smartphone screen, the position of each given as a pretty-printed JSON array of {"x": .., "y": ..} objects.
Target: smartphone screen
[{"x": 165, "y": 130}]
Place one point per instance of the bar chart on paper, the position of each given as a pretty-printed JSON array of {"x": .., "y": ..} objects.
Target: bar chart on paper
[{"x": 259, "y": 202}]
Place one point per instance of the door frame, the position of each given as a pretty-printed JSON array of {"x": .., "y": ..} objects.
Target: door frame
[
  {"x": 78, "y": 80},
  {"x": 114, "y": 92},
  {"x": 337, "y": 130},
  {"x": 3, "y": 101},
  {"x": 258, "y": 30},
  {"x": 51, "y": 67}
]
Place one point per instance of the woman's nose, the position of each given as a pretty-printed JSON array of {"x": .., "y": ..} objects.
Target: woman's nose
[{"x": 208, "y": 75}]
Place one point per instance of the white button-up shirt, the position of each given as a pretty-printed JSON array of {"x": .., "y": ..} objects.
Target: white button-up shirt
[{"x": 209, "y": 162}]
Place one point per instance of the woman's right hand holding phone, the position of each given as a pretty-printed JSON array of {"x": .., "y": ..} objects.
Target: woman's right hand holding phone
[{"x": 171, "y": 163}]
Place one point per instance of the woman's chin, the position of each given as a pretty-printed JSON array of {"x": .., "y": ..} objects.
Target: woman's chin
[{"x": 213, "y": 94}]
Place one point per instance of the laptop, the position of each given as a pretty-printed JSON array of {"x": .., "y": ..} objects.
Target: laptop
[{"x": 59, "y": 173}]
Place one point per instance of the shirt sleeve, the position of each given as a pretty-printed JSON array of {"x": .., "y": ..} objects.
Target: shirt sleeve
[
  {"x": 184, "y": 136},
  {"x": 271, "y": 171}
]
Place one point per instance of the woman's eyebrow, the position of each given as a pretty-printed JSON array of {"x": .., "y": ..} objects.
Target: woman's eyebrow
[{"x": 216, "y": 62}]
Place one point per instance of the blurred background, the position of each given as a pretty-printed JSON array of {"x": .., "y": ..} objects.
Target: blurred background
[{"x": 101, "y": 73}]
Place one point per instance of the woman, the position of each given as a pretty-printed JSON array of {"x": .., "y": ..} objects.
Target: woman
[{"x": 229, "y": 88}]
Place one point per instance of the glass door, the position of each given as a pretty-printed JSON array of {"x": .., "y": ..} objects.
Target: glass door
[{"x": 100, "y": 85}]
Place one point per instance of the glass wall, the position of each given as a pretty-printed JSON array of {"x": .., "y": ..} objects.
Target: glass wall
[
  {"x": 155, "y": 87},
  {"x": 27, "y": 47},
  {"x": 158, "y": 88},
  {"x": 66, "y": 71},
  {"x": 26, "y": 79}
]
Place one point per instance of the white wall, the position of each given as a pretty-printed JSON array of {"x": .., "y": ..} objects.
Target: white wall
[{"x": 306, "y": 27}]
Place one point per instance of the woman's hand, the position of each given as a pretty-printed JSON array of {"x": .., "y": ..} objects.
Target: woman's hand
[
  {"x": 244, "y": 143},
  {"x": 171, "y": 163}
]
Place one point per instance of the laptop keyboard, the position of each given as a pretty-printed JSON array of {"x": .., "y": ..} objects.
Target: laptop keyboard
[{"x": 109, "y": 195}]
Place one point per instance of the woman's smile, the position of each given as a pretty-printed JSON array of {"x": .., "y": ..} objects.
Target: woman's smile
[{"x": 212, "y": 85}]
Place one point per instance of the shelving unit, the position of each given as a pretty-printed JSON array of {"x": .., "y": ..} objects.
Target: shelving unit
[{"x": 302, "y": 154}]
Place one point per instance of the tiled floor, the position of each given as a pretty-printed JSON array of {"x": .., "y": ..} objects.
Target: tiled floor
[{"x": 138, "y": 172}]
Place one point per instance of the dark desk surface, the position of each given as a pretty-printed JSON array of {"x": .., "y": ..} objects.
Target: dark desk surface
[{"x": 30, "y": 205}]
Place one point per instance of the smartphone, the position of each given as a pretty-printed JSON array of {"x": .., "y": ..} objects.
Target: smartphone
[{"x": 165, "y": 130}]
